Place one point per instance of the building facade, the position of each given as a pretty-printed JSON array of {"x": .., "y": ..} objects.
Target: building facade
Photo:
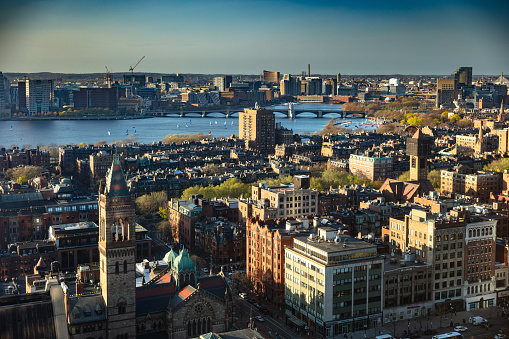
[
  {"x": 257, "y": 129},
  {"x": 333, "y": 283},
  {"x": 39, "y": 96},
  {"x": 371, "y": 166}
]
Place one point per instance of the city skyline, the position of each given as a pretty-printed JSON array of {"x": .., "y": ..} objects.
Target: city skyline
[{"x": 232, "y": 37}]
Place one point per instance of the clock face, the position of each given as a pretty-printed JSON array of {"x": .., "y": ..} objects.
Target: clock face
[{"x": 198, "y": 309}]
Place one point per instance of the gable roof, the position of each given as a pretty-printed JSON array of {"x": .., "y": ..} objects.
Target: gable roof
[
  {"x": 184, "y": 293},
  {"x": 116, "y": 186},
  {"x": 153, "y": 298}
]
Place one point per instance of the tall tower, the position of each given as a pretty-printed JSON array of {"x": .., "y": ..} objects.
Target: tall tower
[
  {"x": 419, "y": 148},
  {"x": 117, "y": 249}
]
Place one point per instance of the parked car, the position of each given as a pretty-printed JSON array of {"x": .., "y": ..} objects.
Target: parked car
[
  {"x": 251, "y": 301},
  {"x": 500, "y": 336},
  {"x": 259, "y": 318},
  {"x": 486, "y": 324},
  {"x": 243, "y": 295},
  {"x": 460, "y": 328},
  {"x": 263, "y": 310},
  {"x": 205, "y": 270}
]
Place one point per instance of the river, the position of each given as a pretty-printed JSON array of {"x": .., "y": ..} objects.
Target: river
[{"x": 63, "y": 132}]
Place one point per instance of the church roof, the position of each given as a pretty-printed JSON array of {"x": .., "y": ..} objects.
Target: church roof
[
  {"x": 116, "y": 186},
  {"x": 214, "y": 284},
  {"x": 419, "y": 135},
  {"x": 41, "y": 263},
  {"x": 183, "y": 263},
  {"x": 170, "y": 256},
  {"x": 182, "y": 295},
  {"x": 153, "y": 298}
]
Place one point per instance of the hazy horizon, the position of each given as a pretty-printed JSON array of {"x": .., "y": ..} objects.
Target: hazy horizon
[{"x": 235, "y": 37}]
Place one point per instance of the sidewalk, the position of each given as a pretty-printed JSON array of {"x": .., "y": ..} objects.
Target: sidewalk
[{"x": 423, "y": 323}]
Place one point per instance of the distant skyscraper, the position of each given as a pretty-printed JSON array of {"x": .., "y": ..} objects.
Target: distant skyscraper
[
  {"x": 462, "y": 77},
  {"x": 223, "y": 82},
  {"x": 22, "y": 95},
  {"x": 257, "y": 129},
  {"x": 5, "y": 92},
  {"x": 338, "y": 78},
  {"x": 39, "y": 96},
  {"x": 271, "y": 77}
]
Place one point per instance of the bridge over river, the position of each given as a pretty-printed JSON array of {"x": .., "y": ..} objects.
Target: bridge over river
[{"x": 291, "y": 112}]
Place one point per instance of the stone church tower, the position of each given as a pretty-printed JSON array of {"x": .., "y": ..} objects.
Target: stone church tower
[
  {"x": 117, "y": 246},
  {"x": 419, "y": 149}
]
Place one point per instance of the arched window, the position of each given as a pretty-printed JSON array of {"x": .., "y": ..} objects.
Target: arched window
[
  {"x": 116, "y": 268},
  {"x": 125, "y": 266},
  {"x": 121, "y": 305},
  {"x": 189, "y": 329},
  {"x": 204, "y": 326},
  {"x": 194, "y": 327},
  {"x": 208, "y": 325}
]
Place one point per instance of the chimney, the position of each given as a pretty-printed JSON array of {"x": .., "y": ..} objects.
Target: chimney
[{"x": 309, "y": 70}]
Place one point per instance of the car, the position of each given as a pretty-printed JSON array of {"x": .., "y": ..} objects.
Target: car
[
  {"x": 500, "y": 336},
  {"x": 251, "y": 301},
  {"x": 486, "y": 324},
  {"x": 256, "y": 305},
  {"x": 205, "y": 270},
  {"x": 243, "y": 295},
  {"x": 263, "y": 310},
  {"x": 259, "y": 318},
  {"x": 460, "y": 328}
]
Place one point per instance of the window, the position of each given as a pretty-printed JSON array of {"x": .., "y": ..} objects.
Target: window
[
  {"x": 125, "y": 266},
  {"x": 116, "y": 268}
]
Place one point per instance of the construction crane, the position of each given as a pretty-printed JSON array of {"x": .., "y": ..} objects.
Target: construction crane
[
  {"x": 131, "y": 69},
  {"x": 108, "y": 77}
]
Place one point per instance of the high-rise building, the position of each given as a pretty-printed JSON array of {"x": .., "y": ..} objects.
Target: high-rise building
[
  {"x": 257, "y": 129},
  {"x": 97, "y": 98},
  {"x": 117, "y": 251},
  {"x": 289, "y": 85},
  {"x": 271, "y": 77},
  {"x": 223, "y": 82},
  {"x": 39, "y": 96},
  {"x": 462, "y": 77},
  {"x": 333, "y": 283},
  {"x": 5, "y": 93},
  {"x": 419, "y": 149},
  {"x": 22, "y": 95}
]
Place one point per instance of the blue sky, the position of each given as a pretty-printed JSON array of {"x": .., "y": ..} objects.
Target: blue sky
[{"x": 197, "y": 36}]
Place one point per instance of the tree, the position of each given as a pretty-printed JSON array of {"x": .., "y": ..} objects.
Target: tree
[
  {"x": 22, "y": 180},
  {"x": 352, "y": 106},
  {"x": 499, "y": 165},
  {"x": 404, "y": 176},
  {"x": 150, "y": 203},
  {"x": 163, "y": 213},
  {"x": 164, "y": 228},
  {"x": 28, "y": 172},
  {"x": 434, "y": 178},
  {"x": 455, "y": 118}
]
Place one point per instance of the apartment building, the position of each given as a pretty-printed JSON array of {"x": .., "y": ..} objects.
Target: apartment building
[
  {"x": 333, "y": 283},
  {"x": 265, "y": 260},
  {"x": 479, "y": 289},
  {"x": 371, "y": 166},
  {"x": 476, "y": 185},
  {"x": 290, "y": 201},
  {"x": 257, "y": 128}
]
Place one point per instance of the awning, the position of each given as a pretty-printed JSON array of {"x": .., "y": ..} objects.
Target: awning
[{"x": 296, "y": 321}]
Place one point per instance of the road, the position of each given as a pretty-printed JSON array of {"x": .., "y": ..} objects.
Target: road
[{"x": 269, "y": 328}]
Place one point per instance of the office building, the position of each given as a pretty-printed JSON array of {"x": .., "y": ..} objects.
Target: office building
[
  {"x": 222, "y": 83},
  {"x": 271, "y": 77},
  {"x": 333, "y": 283},
  {"x": 39, "y": 96},
  {"x": 257, "y": 129},
  {"x": 462, "y": 77},
  {"x": 97, "y": 98},
  {"x": 136, "y": 80},
  {"x": 371, "y": 166},
  {"x": 5, "y": 94},
  {"x": 408, "y": 288}
]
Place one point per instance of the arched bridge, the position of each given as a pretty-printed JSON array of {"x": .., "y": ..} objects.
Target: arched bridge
[{"x": 291, "y": 113}]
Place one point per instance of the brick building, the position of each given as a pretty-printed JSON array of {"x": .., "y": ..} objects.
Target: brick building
[{"x": 265, "y": 255}]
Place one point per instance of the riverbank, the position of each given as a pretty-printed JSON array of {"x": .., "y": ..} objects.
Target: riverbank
[{"x": 99, "y": 117}]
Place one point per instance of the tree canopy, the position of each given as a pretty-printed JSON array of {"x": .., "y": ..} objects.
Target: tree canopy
[
  {"x": 180, "y": 138},
  {"x": 498, "y": 165},
  {"x": 152, "y": 202},
  {"x": 27, "y": 173}
]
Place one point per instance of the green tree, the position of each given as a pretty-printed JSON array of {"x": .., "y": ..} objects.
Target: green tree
[
  {"x": 28, "y": 172},
  {"x": 163, "y": 213},
  {"x": 150, "y": 203},
  {"x": 404, "y": 176},
  {"x": 434, "y": 178},
  {"x": 22, "y": 180},
  {"x": 499, "y": 165},
  {"x": 455, "y": 118}
]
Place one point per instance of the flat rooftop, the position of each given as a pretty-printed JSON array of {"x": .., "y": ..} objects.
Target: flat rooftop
[{"x": 343, "y": 243}]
